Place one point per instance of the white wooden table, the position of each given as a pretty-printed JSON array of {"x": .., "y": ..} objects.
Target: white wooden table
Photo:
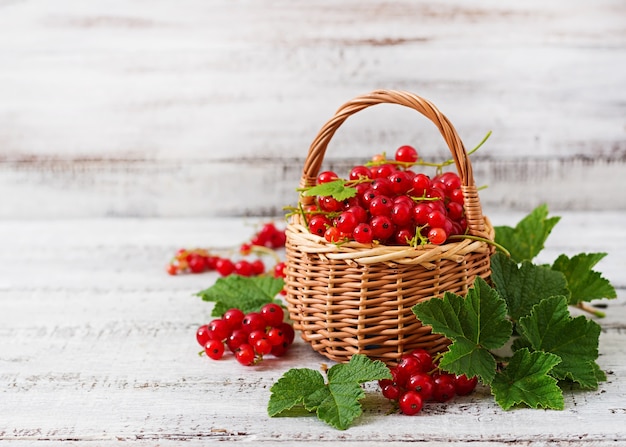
[{"x": 97, "y": 347}]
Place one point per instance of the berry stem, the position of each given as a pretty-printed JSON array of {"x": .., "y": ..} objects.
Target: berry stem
[
  {"x": 481, "y": 239},
  {"x": 590, "y": 309}
]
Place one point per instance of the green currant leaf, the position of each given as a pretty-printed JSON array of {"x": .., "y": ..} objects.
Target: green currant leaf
[
  {"x": 528, "y": 237},
  {"x": 524, "y": 286},
  {"x": 584, "y": 283},
  {"x": 336, "y": 402},
  {"x": 526, "y": 380},
  {"x": 550, "y": 328},
  {"x": 292, "y": 389},
  {"x": 242, "y": 292},
  {"x": 336, "y": 188},
  {"x": 475, "y": 324}
]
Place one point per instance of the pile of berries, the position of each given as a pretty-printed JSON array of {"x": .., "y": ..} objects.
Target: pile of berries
[
  {"x": 249, "y": 336},
  {"x": 201, "y": 260},
  {"x": 392, "y": 204},
  {"x": 417, "y": 380}
]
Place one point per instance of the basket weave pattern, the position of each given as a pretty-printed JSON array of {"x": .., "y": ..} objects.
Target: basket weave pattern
[{"x": 352, "y": 298}]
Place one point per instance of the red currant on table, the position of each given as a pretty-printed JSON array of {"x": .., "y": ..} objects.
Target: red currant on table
[
  {"x": 250, "y": 337},
  {"x": 214, "y": 349},
  {"x": 273, "y": 314},
  {"x": 411, "y": 402},
  {"x": 417, "y": 380}
]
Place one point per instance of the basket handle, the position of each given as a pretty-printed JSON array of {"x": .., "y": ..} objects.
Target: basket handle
[{"x": 317, "y": 150}]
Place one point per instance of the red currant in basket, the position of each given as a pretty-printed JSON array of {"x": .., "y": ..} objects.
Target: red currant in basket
[
  {"x": 346, "y": 222},
  {"x": 326, "y": 176},
  {"x": 406, "y": 154},
  {"x": 437, "y": 236}
]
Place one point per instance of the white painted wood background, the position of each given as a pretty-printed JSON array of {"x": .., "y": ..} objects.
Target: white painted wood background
[
  {"x": 203, "y": 108},
  {"x": 97, "y": 347},
  {"x": 130, "y": 128}
]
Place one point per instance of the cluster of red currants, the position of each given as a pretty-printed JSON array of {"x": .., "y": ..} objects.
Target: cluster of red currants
[
  {"x": 417, "y": 380},
  {"x": 202, "y": 260},
  {"x": 248, "y": 336},
  {"x": 393, "y": 204}
]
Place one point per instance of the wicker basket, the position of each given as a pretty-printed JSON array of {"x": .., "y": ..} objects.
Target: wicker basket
[{"x": 353, "y": 298}]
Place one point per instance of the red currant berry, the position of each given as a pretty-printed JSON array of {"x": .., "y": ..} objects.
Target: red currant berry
[
  {"x": 381, "y": 206},
  {"x": 363, "y": 234},
  {"x": 406, "y": 154},
  {"x": 236, "y": 339},
  {"x": 420, "y": 213},
  {"x": 457, "y": 196},
  {"x": 382, "y": 227},
  {"x": 437, "y": 236},
  {"x": 224, "y": 266},
  {"x": 360, "y": 214},
  {"x": 278, "y": 239},
  {"x": 463, "y": 386},
  {"x": 214, "y": 349},
  {"x": 196, "y": 263},
  {"x": 276, "y": 336},
  {"x": 243, "y": 268},
  {"x": 273, "y": 314},
  {"x": 448, "y": 182},
  {"x": 346, "y": 222},
  {"x": 455, "y": 210},
  {"x": 444, "y": 387},
  {"x": 172, "y": 269},
  {"x": 411, "y": 403},
  {"x": 406, "y": 367},
  {"x": 382, "y": 186},
  {"x": 403, "y": 236},
  {"x": 391, "y": 391},
  {"x": 424, "y": 359},
  {"x": 280, "y": 350},
  {"x": 262, "y": 346},
  {"x": 400, "y": 182},
  {"x": 258, "y": 268},
  {"x": 253, "y": 321},
  {"x": 288, "y": 332},
  {"x": 326, "y": 176},
  {"x": 359, "y": 172},
  {"x": 402, "y": 214},
  {"x": 233, "y": 318},
  {"x": 382, "y": 171},
  {"x": 318, "y": 224},
  {"x": 245, "y": 354},
  {"x": 332, "y": 234},
  {"x": 279, "y": 270},
  {"x": 220, "y": 329},
  {"x": 423, "y": 384},
  {"x": 203, "y": 334},
  {"x": 256, "y": 335},
  {"x": 421, "y": 184},
  {"x": 329, "y": 204},
  {"x": 436, "y": 219},
  {"x": 436, "y": 193},
  {"x": 367, "y": 197}
]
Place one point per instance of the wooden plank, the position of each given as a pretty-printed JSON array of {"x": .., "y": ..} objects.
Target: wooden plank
[
  {"x": 97, "y": 345},
  {"x": 134, "y": 111}
]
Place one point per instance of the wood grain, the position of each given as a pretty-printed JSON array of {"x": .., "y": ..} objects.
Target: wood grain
[
  {"x": 118, "y": 109},
  {"x": 97, "y": 347}
]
